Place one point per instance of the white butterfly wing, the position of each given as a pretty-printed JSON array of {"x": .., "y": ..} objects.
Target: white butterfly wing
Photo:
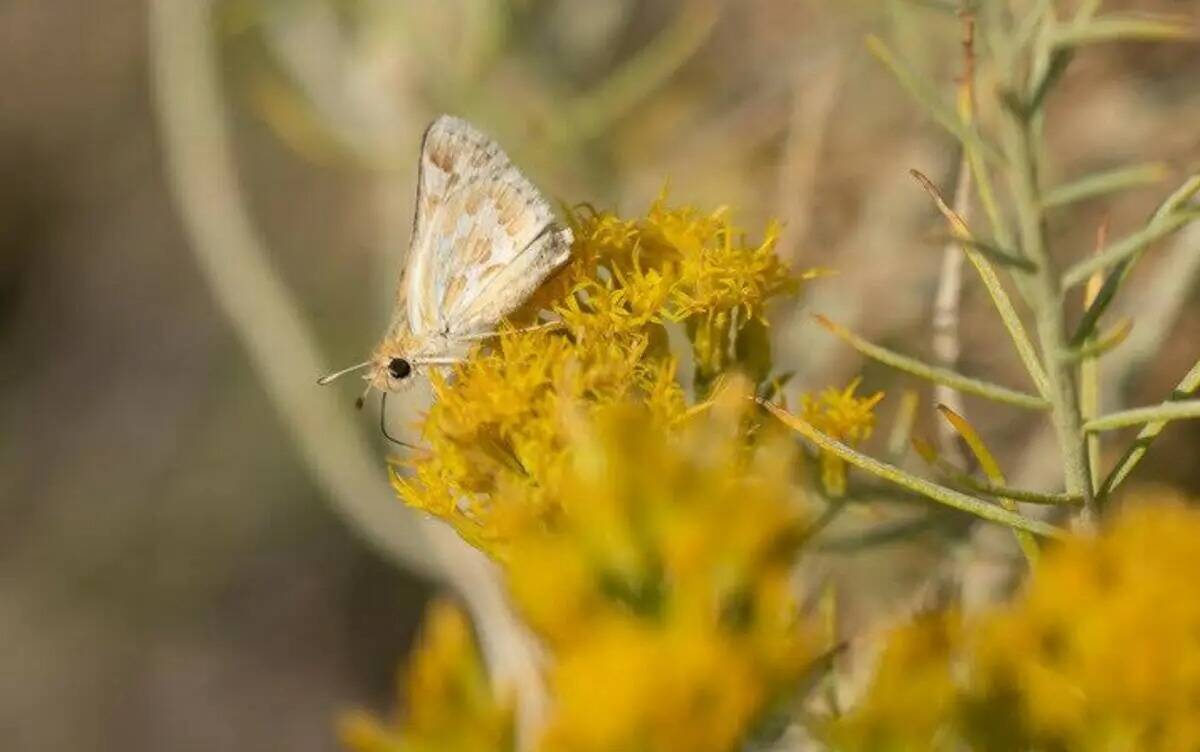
[{"x": 483, "y": 238}]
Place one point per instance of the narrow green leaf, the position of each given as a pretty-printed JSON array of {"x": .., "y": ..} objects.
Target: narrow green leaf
[
  {"x": 965, "y": 482},
  {"x": 1165, "y": 412},
  {"x": 1178, "y": 200},
  {"x": 935, "y": 374},
  {"x": 995, "y": 253},
  {"x": 991, "y": 468},
  {"x": 1025, "y": 496},
  {"x": 1128, "y": 246},
  {"x": 926, "y": 96},
  {"x": 1121, "y": 28},
  {"x": 1089, "y": 368},
  {"x": 1174, "y": 204},
  {"x": 1133, "y": 455},
  {"x": 929, "y": 489},
  {"x": 1104, "y": 183},
  {"x": 1095, "y": 347},
  {"x": 991, "y": 281},
  {"x": 1059, "y": 61},
  {"x": 1108, "y": 292}
]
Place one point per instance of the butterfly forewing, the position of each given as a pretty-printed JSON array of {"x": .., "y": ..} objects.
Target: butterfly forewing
[{"x": 483, "y": 237}]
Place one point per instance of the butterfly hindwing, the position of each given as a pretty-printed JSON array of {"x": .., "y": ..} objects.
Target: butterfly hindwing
[{"x": 483, "y": 236}]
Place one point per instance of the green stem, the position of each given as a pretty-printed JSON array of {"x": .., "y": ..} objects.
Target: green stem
[
  {"x": 936, "y": 374},
  {"x": 1137, "y": 416},
  {"x": 1133, "y": 455},
  {"x": 941, "y": 494},
  {"x": 1047, "y": 302}
]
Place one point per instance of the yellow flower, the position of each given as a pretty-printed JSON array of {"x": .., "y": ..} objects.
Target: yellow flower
[
  {"x": 912, "y": 693},
  {"x": 646, "y": 535},
  {"x": 633, "y": 685},
  {"x": 450, "y": 704},
  {"x": 1101, "y": 652},
  {"x": 663, "y": 588},
  {"x": 843, "y": 416},
  {"x": 496, "y": 424}
]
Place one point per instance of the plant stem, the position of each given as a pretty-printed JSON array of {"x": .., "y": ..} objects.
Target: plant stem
[
  {"x": 941, "y": 494},
  {"x": 1046, "y": 300},
  {"x": 1164, "y": 413}
]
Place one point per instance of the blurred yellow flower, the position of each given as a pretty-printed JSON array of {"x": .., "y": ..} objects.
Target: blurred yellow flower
[
  {"x": 646, "y": 534},
  {"x": 1102, "y": 652},
  {"x": 912, "y": 692},
  {"x": 450, "y": 705},
  {"x": 663, "y": 589},
  {"x": 841, "y": 415}
]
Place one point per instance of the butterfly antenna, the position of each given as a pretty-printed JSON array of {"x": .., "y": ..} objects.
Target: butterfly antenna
[
  {"x": 329, "y": 378},
  {"x": 383, "y": 424}
]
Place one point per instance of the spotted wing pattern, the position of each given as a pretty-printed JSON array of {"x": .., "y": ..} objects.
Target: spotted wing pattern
[{"x": 483, "y": 238}]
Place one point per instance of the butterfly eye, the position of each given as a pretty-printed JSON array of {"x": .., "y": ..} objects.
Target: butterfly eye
[{"x": 399, "y": 368}]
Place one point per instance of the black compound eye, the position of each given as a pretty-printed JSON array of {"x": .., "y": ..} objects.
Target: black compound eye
[{"x": 399, "y": 368}]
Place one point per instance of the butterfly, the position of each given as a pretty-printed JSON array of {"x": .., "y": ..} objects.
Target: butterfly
[{"x": 484, "y": 239}]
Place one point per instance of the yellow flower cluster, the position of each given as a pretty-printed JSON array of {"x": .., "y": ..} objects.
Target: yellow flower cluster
[
  {"x": 1102, "y": 652},
  {"x": 845, "y": 417},
  {"x": 663, "y": 591},
  {"x": 646, "y": 532},
  {"x": 450, "y": 706},
  {"x": 496, "y": 432}
]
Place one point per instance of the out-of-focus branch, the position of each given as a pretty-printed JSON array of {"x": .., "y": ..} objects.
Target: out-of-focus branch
[
  {"x": 248, "y": 291},
  {"x": 282, "y": 352},
  {"x": 948, "y": 301},
  {"x": 946, "y": 306}
]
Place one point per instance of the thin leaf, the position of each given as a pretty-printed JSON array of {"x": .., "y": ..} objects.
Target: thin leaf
[
  {"x": 1178, "y": 200},
  {"x": 1174, "y": 204},
  {"x": 1026, "y": 496},
  {"x": 996, "y": 253},
  {"x": 991, "y": 468},
  {"x": 1089, "y": 368},
  {"x": 1165, "y": 413},
  {"x": 928, "y": 98},
  {"x": 1121, "y": 28},
  {"x": 991, "y": 281},
  {"x": 1128, "y": 246},
  {"x": 938, "y": 493},
  {"x": 935, "y": 374},
  {"x": 1059, "y": 60},
  {"x": 1104, "y": 183},
  {"x": 1133, "y": 455},
  {"x": 987, "y": 462},
  {"x": 1095, "y": 347},
  {"x": 965, "y": 482}
]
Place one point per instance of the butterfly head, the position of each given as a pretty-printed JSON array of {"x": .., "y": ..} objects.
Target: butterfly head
[{"x": 392, "y": 369}]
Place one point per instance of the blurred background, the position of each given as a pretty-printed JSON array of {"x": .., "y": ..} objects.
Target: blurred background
[{"x": 205, "y": 204}]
